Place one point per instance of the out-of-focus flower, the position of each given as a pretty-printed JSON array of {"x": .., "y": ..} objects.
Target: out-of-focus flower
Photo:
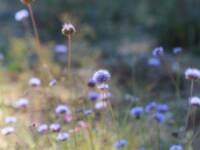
[
  {"x": 55, "y": 127},
  {"x": 150, "y": 107},
  {"x": 21, "y": 103},
  {"x": 34, "y": 124},
  {"x": 26, "y": 2},
  {"x": 176, "y": 147},
  {"x": 160, "y": 118},
  {"x": 103, "y": 86},
  {"x": 7, "y": 130},
  {"x": 119, "y": 144},
  {"x": 68, "y": 29},
  {"x": 194, "y": 101},
  {"x": 162, "y": 108},
  {"x": 177, "y": 50},
  {"x": 158, "y": 51},
  {"x": 154, "y": 62},
  {"x": 136, "y": 111},
  {"x": 105, "y": 96},
  {"x": 101, "y": 76},
  {"x": 52, "y": 82},
  {"x": 60, "y": 48},
  {"x": 93, "y": 96},
  {"x": 91, "y": 83},
  {"x": 87, "y": 112},
  {"x": 62, "y": 109},
  {"x": 132, "y": 98},
  {"x": 101, "y": 104},
  {"x": 35, "y": 82},
  {"x": 192, "y": 74},
  {"x": 42, "y": 128},
  {"x": 22, "y": 14},
  {"x": 63, "y": 136},
  {"x": 10, "y": 119},
  {"x": 68, "y": 118}
]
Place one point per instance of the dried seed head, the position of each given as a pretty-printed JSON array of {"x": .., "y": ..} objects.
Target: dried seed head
[
  {"x": 68, "y": 29},
  {"x": 26, "y": 2}
]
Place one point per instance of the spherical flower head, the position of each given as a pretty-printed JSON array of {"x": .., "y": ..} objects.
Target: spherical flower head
[
  {"x": 136, "y": 111},
  {"x": 55, "y": 127},
  {"x": 10, "y": 119},
  {"x": 63, "y": 136},
  {"x": 154, "y": 62},
  {"x": 192, "y": 74},
  {"x": 93, "y": 96},
  {"x": 22, "y": 103},
  {"x": 101, "y": 76},
  {"x": 91, "y": 83},
  {"x": 26, "y": 2},
  {"x": 162, "y": 108},
  {"x": 177, "y": 50},
  {"x": 160, "y": 118},
  {"x": 150, "y": 107},
  {"x": 101, "y": 105},
  {"x": 68, "y": 29},
  {"x": 35, "y": 82},
  {"x": 195, "y": 101},
  {"x": 62, "y": 109},
  {"x": 119, "y": 144},
  {"x": 158, "y": 51},
  {"x": 42, "y": 128},
  {"x": 21, "y": 15},
  {"x": 176, "y": 147},
  {"x": 7, "y": 130},
  {"x": 53, "y": 83}
]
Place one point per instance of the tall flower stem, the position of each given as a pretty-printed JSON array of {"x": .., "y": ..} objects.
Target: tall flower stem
[{"x": 69, "y": 55}]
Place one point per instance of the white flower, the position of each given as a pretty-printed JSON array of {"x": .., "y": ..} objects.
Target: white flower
[
  {"x": 68, "y": 29},
  {"x": 22, "y": 102},
  {"x": 42, "y": 128},
  {"x": 55, "y": 127},
  {"x": 194, "y": 101},
  {"x": 101, "y": 104},
  {"x": 34, "y": 82},
  {"x": 101, "y": 76},
  {"x": 176, "y": 147},
  {"x": 52, "y": 82},
  {"x": 62, "y": 109},
  {"x": 60, "y": 48},
  {"x": 22, "y": 14},
  {"x": 7, "y": 130},
  {"x": 192, "y": 74},
  {"x": 63, "y": 136},
  {"x": 10, "y": 119}
]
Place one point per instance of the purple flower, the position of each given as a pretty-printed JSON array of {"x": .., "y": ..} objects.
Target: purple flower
[
  {"x": 91, "y": 83},
  {"x": 93, "y": 96},
  {"x": 160, "y": 118},
  {"x": 177, "y": 50},
  {"x": 55, "y": 127},
  {"x": 7, "y": 130},
  {"x": 42, "y": 128},
  {"x": 154, "y": 62},
  {"x": 63, "y": 136},
  {"x": 119, "y": 144},
  {"x": 176, "y": 147},
  {"x": 62, "y": 109},
  {"x": 150, "y": 107},
  {"x": 52, "y": 82},
  {"x": 136, "y": 111},
  {"x": 158, "y": 51},
  {"x": 101, "y": 76},
  {"x": 162, "y": 108}
]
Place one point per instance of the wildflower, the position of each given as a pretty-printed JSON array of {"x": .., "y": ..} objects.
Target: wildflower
[
  {"x": 158, "y": 51},
  {"x": 7, "y": 130},
  {"x": 52, "y": 82},
  {"x": 63, "y": 136},
  {"x": 177, "y": 50},
  {"x": 131, "y": 98},
  {"x": 68, "y": 118},
  {"x": 192, "y": 74},
  {"x": 21, "y": 15},
  {"x": 93, "y": 96},
  {"x": 136, "y": 112},
  {"x": 176, "y": 147},
  {"x": 91, "y": 83},
  {"x": 62, "y": 109},
  {"x": 26, "y": 2},
  {"x": 55, "y": 127},
  {"x": 160, "y": 118},
  {"x": 60, "y": 48},
  {"x": 42, "y": 128},
  {"x": 10, "y": 119},
  {"x": 34, "y": 124},
  {"x": 105, "y": 96},
  {"x": 101, "y": 104},
  {"x": 154, "y": 62},
  {"x": 162, "y": 108},
  {"x": 119, "y": 144},
  {"x": 87, "y": 112},
  {"x": 101, "y": 76},
  {"x": 22, "y": 103},
  {"x": 194, "y": 101},
  {"x": 150, "y": 107},
  {"x": 103, "y": 86},
  {"x": 35, "y": 82},
  {"x": 68, "y": 29}
]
